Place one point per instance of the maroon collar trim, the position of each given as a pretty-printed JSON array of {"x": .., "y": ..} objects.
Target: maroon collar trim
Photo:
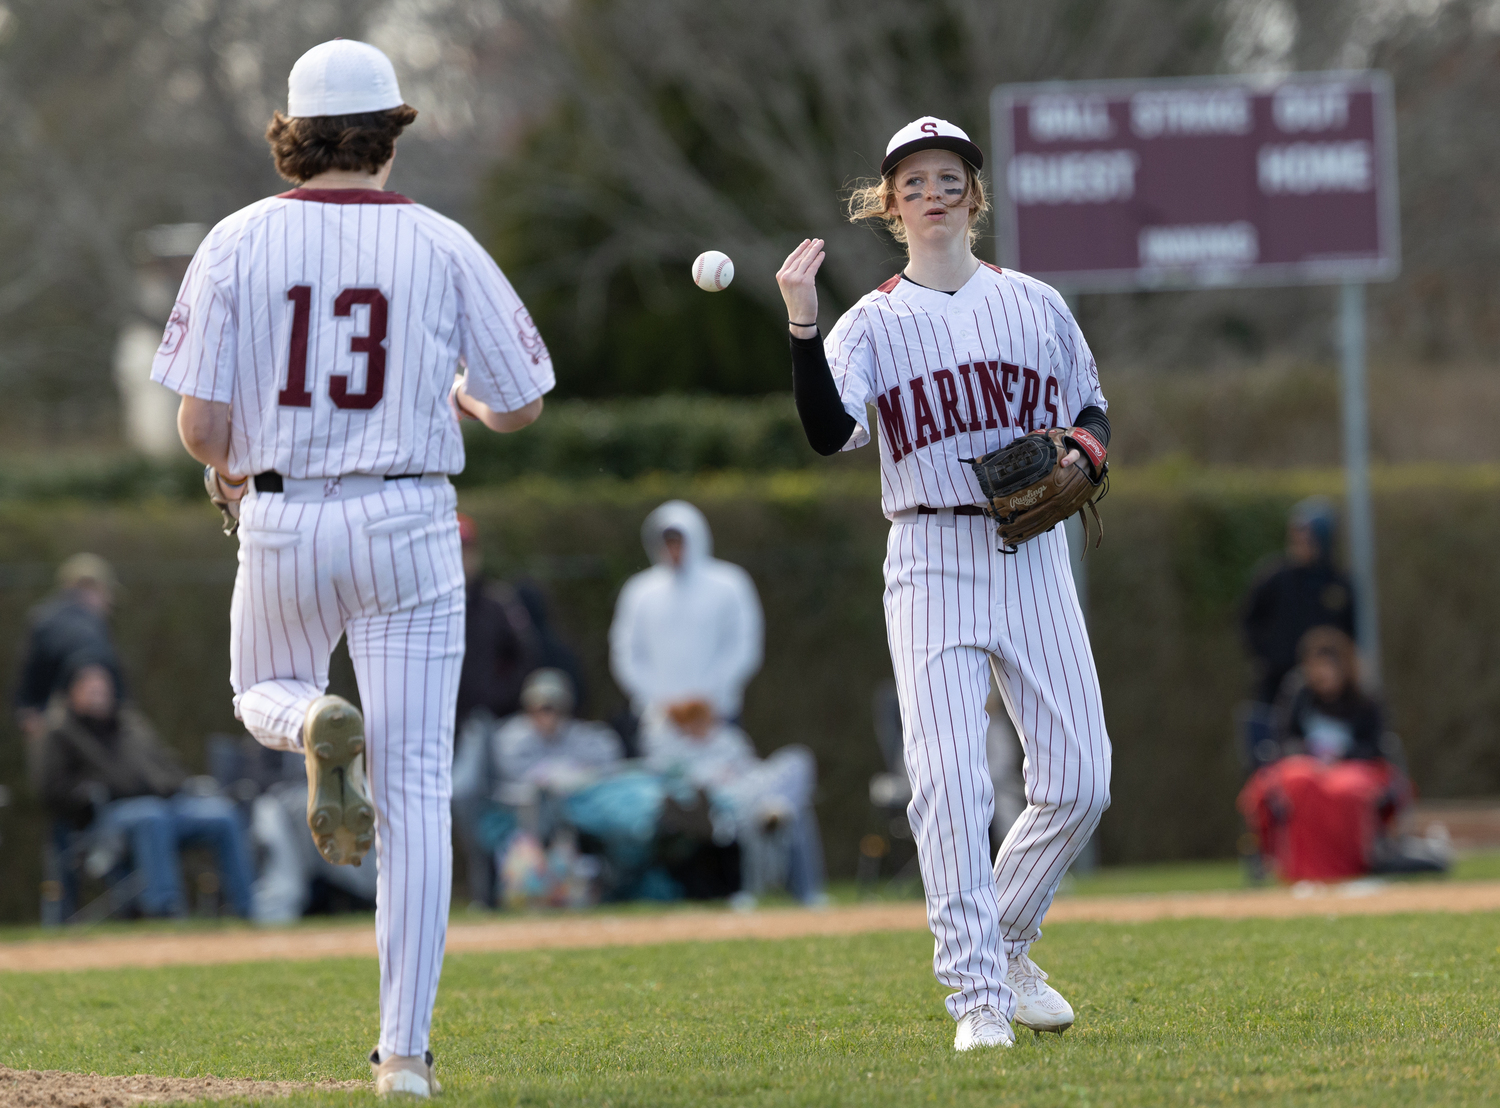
[{"x": 344, "y": 196}]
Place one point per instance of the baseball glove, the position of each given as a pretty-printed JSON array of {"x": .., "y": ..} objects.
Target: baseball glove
[
  {"x": 1027, "y": 490},
  {"x": 226, "y": 496}
]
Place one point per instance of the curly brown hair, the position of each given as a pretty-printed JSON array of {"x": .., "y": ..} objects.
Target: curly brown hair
[
  {"x": 877, "y": 200},
  {"x": 305, "y": 146}
]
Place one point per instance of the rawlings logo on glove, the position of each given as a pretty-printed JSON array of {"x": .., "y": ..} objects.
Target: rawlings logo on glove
[
  {"x": 1028, "y": 490},
  {"x": 1025, "y": 500}
]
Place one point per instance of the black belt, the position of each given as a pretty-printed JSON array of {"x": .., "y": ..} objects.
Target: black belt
[
  {"x": 271, "y": 481},
  {"x": 924, "y": 510}
]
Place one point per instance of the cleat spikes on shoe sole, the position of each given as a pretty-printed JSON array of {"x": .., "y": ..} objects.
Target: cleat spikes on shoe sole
[
  {"x": 339, "y": 812},
  {"x": 360, "y": 819}
]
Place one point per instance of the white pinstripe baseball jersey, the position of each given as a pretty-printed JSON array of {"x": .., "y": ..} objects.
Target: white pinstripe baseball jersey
[
  {"x": 957, "y": 375},
  {"x": 954, "y": 376},
  {"x": 333, "y": 320}
]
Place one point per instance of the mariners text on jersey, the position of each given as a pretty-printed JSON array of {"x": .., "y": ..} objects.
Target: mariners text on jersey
[
  {"x": 957, "y": 375},
  {"x": 332, "y": 321}
]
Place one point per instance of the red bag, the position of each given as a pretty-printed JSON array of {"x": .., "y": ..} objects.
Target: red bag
[{"x": 1318, "y": 822}]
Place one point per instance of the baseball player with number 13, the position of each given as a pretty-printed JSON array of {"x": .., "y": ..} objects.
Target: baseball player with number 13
[
  {"x": 314, "y": 343},
  {"x": 961, "y": 358}
]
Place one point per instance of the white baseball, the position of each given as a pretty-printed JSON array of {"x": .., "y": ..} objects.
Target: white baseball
[{"x": 712, "y": 271}]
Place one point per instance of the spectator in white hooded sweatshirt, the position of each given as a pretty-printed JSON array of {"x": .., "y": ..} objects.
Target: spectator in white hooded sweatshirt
[
  {"x": 690, "y": 627},
  {"x": 688, "y": 635}
]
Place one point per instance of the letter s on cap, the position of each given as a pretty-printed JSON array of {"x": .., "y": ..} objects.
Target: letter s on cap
[{"x": 930, "y": 129}]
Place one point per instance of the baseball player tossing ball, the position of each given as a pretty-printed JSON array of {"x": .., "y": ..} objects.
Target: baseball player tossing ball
[
  {"x": 314, "y": 343},
  {"x": 959, "y": 358}
]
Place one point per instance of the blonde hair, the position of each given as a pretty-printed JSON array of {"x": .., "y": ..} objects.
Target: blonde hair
[{"x": 877, "y": 200}]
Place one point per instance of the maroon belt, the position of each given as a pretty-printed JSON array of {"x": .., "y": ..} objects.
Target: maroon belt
[{"x": 961, "y": 510}]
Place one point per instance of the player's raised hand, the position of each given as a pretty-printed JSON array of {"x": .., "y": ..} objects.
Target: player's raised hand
[{"x": 798, "y": 280}]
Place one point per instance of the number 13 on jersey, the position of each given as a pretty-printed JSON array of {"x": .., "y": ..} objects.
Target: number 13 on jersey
[{"x": 371, "y": 344}]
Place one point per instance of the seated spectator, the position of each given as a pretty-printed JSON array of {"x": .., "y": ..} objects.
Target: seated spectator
[
  {"x": 507, "y": 635},
  {"x": 73, "y": 622},
  {"x": 1321, "y": 710},
  {"x": 1327, "y": 810},
  {"x": 546, "y": 747},
  {"x": 100, "y": 766},
  {"x": 512, "y": 781},
  {"x": 764, "y": 805}
]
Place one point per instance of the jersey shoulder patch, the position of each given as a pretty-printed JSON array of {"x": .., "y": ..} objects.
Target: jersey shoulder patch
[{"x": 890, "y": 286}]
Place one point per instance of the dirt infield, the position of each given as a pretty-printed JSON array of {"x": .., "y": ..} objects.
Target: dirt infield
[
  {"x": 565, "y": 932},
  {"x": 57, "y": 1089}
]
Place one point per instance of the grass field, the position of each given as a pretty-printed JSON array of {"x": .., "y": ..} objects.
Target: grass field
[
  {"x": 1351, "y": 1011},
  {"x": 1202, "y": 877}
]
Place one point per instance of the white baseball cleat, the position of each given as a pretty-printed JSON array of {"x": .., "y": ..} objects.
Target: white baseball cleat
[
  {"x": 1039, "y": 1006},
  {"x": 983, "y": 1026},
  {"x": 404, "y": 1074}
]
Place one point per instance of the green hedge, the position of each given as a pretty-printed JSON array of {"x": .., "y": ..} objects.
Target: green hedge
[
  {"x": 1179, "y": 550},
  {"x": 578, "y": 439},
  {"x": 108, "y": 478},
  {"x": 629, "y": 438}
]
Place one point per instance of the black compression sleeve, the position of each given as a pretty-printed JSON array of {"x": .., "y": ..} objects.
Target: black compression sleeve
[
  {"x": 1093, "y": 420},
  {"x": 824, "y": 420}
]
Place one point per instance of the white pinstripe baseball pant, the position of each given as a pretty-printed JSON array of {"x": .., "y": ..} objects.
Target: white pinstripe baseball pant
[
  {"x": 385, "y": 569},
  {"x": 953, "y": 603}
]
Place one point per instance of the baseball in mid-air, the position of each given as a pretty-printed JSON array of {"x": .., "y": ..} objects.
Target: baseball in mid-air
[{"x": 712, "y": 271}]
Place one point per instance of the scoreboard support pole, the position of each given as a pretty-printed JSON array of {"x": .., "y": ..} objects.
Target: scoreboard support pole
[
  {"x": 1073, "y": 525},
  {"x": 1359, "y": 508}
]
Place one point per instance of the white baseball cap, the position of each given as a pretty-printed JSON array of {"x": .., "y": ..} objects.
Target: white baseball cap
[
  {"x": 342, "y": 77},
  {"x": 929, "y": 133}
]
